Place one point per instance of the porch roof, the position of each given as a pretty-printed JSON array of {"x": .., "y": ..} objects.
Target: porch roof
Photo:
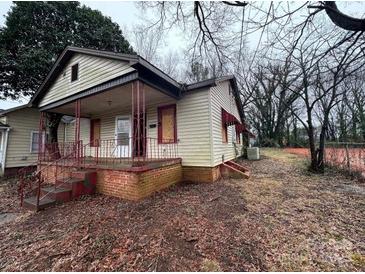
[
  {"x": 115, "y": 99},
  {"x": 145, "y": 71}
]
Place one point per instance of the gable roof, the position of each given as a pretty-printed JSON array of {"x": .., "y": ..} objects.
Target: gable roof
[
  {"x": 135, "y": 61},
  {"x": 138, "y": 63},
  {"x": 6, "y": 111}
]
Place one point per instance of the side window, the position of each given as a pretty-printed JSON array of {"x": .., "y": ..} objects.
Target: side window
[
  {"x": 74, "y": 72},
  {"x": 224, "y": 133},
  {"x": 34, "y": 143},
  {"x": 238, "y": 137}
]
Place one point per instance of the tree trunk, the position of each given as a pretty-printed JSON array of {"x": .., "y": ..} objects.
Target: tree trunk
[
  {"x": 319, "y": 164},
  {"x": 295, "y": 132},
  {"x": 312, "y": 148},
  {"x": 54, "y": 120}
]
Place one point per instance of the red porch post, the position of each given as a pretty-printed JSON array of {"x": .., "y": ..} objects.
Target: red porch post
[
  {"x": 77, "y": 130},
  {"x": 138, "y": 121}
]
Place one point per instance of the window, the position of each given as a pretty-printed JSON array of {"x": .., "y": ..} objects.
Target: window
[
  {"x": 34, "y": 141},
  {"x": 167, "y": 124},
  {"x": 238, "y": 138},
  {"x": 224, "y": 133},
  {"x": 94, "y": 132},
  {"x": 74, "y": 72}
]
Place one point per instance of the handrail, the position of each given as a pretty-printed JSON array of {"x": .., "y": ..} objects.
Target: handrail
[
  {"x": 36, "y": 177},
  {"x": 57, "y": 173}
]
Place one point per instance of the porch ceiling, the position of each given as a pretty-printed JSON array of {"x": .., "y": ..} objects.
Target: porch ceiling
[{"x": 114, "y": 99}]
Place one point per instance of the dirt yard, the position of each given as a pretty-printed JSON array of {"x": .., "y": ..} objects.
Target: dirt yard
[{"x": 281, "y": 219}]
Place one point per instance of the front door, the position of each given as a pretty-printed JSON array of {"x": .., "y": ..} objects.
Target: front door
[{"x": 123, "y": 136}]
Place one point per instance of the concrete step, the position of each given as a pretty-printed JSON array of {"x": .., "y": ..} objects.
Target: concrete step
[
  {"x": 31, "y": 203},
  {"x": 59, "y": 194}
]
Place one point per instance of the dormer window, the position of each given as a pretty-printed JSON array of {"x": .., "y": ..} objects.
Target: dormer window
[{"x": 74, "y": 72}]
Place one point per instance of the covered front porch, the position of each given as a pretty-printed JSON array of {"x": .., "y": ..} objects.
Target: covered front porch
[{"x": 127, "y": 127}]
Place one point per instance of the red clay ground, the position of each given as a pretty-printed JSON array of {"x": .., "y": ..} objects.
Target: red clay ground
[
  {"x": 281, "y": 219},
  {"x": 338, "y": 157}
]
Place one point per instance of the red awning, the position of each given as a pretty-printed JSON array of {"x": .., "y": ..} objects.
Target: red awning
[
  {"x": 241, "y": 128},
  {"x": 228, "y": 119}
]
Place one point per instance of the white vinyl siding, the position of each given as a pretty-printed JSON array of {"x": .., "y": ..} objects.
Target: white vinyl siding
[
  {"x": 222, "y": 98},
  {"x": 22, "y": 122},
  {"x": 23, "y": 140},
  {"x": 192, "y": 119},
  {"x": 91, "y": 72},
  {"x": 84, "y": 131}
]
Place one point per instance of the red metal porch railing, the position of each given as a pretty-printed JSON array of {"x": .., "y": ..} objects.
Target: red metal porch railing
[
  {"x": 112, "y": 151},
  {"x": 57, "y": 159}
]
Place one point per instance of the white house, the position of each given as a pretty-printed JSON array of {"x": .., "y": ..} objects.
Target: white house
[{"x": 131, "y": 119}]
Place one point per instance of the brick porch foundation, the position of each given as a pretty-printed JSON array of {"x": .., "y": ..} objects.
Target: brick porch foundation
[
  {"x": 137, "y": 185},
  {"x": 201, "y": 174}
]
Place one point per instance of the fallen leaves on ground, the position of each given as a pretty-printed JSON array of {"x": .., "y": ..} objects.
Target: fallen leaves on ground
[{"x": 281, "y": 219}]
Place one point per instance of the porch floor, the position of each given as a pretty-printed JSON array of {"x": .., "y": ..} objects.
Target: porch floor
[{"x": 124, "y": 164}]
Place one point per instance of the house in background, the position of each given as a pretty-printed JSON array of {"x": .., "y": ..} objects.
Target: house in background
[
  {"x": 19, "y": 138},
  {"x": 135, "y": 127}
]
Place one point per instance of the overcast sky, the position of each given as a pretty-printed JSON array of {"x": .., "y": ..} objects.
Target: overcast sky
[{"x": 126, "y": 14}]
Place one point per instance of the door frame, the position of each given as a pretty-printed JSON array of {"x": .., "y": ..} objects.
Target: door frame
[
  {"x": 130, "y": 131},
  {"x": 159, "y": 123}
]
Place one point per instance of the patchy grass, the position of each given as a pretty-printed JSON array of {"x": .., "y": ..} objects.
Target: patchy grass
[
  {"x": 284, "y": 156},
  {"x": 210, "y": 266},
  {"x": 281, "y": 219}
]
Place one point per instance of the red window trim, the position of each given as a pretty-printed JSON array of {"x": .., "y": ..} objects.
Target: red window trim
[
  {"x": 159, "y": 112},
  {"x": 92, "y": 141}
]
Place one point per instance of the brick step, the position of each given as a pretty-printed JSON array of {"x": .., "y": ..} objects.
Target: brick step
[
  {"x": 31, "y": 203},
  {"x": 59, "y": 194},
  {"x": 68, "y": 182},
  {"x": 237, "y": 166},
  {"x": 232, "y": 172},
  {"x": 83, "y": 174},
  {"x": 78, "y": 186}
]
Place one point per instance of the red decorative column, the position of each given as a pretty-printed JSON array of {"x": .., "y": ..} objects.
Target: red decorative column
[
  {"x": 77, "y": 130},
  {"x": 139, "y": 121}
]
